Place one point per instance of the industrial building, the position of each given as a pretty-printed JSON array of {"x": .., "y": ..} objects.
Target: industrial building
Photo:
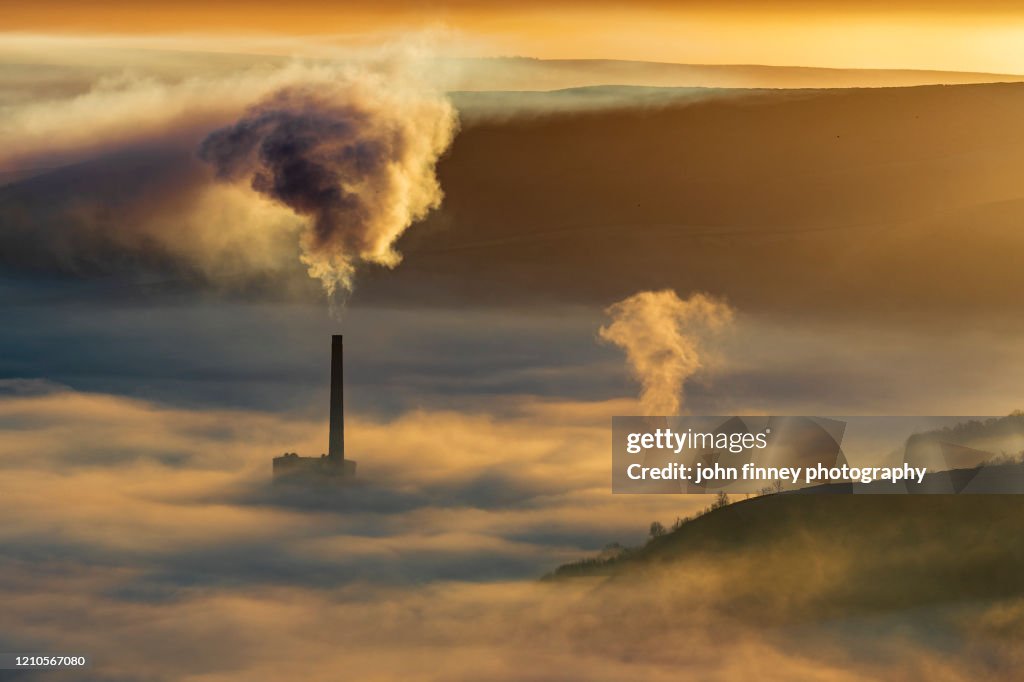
[{"x": 330, "y": 467}]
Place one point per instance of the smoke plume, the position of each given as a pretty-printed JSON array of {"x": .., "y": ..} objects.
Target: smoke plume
[
  {"x": 356, "y": 158},
  {"x": 661, "y": 335}
]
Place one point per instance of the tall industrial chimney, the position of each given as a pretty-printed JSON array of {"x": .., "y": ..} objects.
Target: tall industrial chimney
[
  {"x": 334, "y": 468},
  {"x": 336, "y": 444}
]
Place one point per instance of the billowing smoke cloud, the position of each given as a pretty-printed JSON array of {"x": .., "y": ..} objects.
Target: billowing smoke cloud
[
  {"x": 356, "y": 158},
  {"x": 104, "y": 176},
  {"x": 661, "y": 335}
]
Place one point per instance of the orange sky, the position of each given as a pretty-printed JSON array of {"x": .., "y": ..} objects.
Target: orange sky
[
  {"x": 944, "y": 34},
  {"x": 320, "y": 16}
]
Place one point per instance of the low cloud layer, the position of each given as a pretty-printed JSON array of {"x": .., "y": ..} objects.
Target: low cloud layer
[
  {"x": 170, "y": 558},
  {"x": 659, "y": 630},
  {"x": 176, "y": 492}
]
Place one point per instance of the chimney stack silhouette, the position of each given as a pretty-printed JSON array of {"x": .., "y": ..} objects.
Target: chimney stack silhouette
[
  {"x": 331, "y": 468},
  {"x": 336, "y": 442}
]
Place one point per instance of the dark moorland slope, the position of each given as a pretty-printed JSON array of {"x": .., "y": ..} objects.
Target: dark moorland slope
[
  {"x": 842, "y": 554},
  {"x": 849, "y": 202}
]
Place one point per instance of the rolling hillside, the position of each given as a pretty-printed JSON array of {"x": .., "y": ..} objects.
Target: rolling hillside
[{"x": 791, "y": 555}]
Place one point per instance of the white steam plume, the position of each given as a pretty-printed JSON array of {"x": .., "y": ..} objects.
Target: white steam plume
[{"x": 661, "y": 335}]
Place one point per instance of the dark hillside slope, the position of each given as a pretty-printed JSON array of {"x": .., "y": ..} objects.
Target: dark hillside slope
[
  {"x": 836, "y": 202},
  {"x": 786, "y": 555}
]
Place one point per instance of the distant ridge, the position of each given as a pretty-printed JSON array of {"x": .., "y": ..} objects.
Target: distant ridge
[
  {"x": 524, "y": 73},
  {"x": 479, "y": 73}
]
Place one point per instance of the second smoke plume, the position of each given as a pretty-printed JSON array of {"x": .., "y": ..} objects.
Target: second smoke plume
[{"x": 661, "y": 335}]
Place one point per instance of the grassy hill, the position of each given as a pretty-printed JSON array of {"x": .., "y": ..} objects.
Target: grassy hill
[{"x": 783, "y": 556}]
